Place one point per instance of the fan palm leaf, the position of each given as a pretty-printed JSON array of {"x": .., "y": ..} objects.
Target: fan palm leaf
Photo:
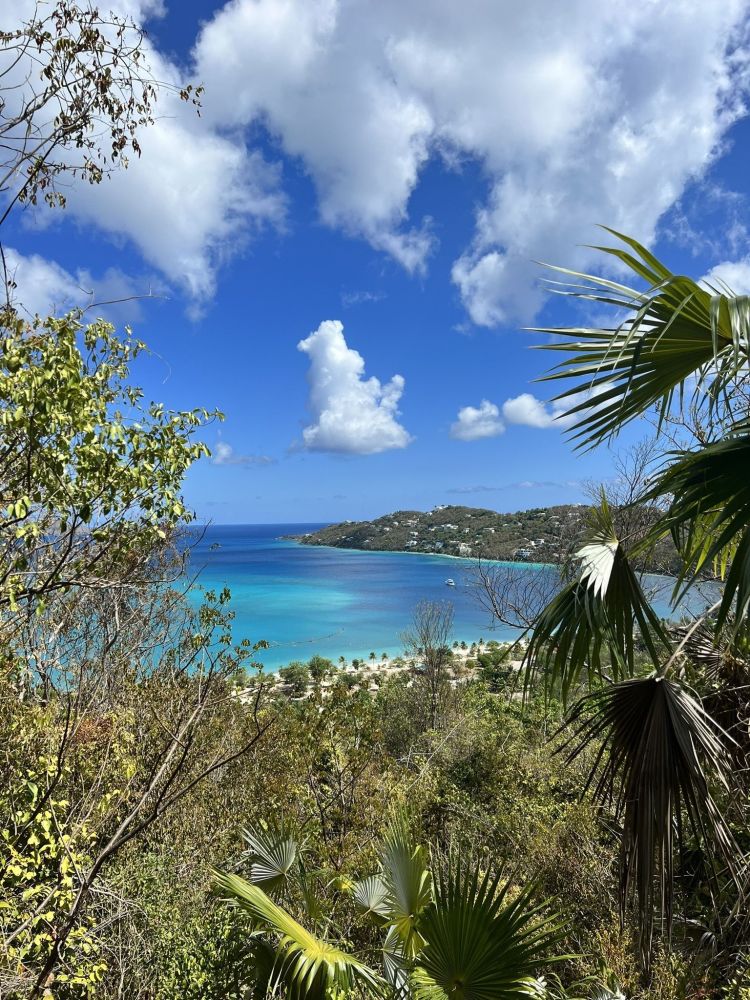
[
  {"x": 272, "y": 854},
  {"x": 408, "y": 884},
  {"x": 396, "y": 966},
  {"x": 598, "y": 613},
  {"x": 674, "y": 329},
  {"x": 699, "y": 643},
  {"x": 308, "y": 966},
  {"x": 722, "y": 655},
  {"x": 659, "y": 753},
  {"x": 479, "y": 943},
  {"x": 371, "y": 898}
]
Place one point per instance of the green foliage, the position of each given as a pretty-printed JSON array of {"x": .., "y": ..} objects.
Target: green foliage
[
  {"x": 456, "y": 933},
  {"x": 297, "y": 675},
  {"x": 85, "y": 461},
  {"x": 42, "y": 857},
  {"x": 185, "y": 944},
  {"x": 272, "y": 854},
  {"x": 494, "y": 664},
  {"x": 308, "y": 966},
  {"x": 673, "y": 329},
  {"x": 483, "y": 941},
  {"x": 589, "y": 629},
  {"x": 319, "y": 667},
  {"x": 659, "y": 744},
  {"x": 407, "y": 881},
  {"x": 208, "y": 956},
  {"x": 710, "y": 517}
]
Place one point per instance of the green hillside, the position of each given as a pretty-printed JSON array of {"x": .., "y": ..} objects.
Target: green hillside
[
  {"x": 543, "y": 534},
  {"x": 539, "y": 535}
]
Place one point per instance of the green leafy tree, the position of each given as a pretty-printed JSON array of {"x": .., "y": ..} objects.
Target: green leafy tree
[
  {"x": 319, "y": 667},
  {"x": 297, "y": 675},
  {"x": 90, "y": 476},
  {"x": 495, "y": 668},
  {"x": 95, "y": 641},
  {"x": 41, "y": 856}
]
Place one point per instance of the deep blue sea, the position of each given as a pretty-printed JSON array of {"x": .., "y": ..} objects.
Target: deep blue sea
[{"x": 306, "y": 599}]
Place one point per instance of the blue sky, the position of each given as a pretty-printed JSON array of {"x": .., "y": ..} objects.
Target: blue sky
[{"x": 376, "y": 179}]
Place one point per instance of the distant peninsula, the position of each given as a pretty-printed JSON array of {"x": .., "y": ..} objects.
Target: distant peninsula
[{"x": 541, "y": 535}]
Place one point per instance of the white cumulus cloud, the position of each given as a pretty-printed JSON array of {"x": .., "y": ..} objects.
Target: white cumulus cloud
[
  {"x": 489, "y": 420},
  {"x": 476, "y": 422},
  {"x": 578, "y": 113},
  {"x": 351, "y": 414},
  {"x": 730, "y": 276},
  {"x": 188, "y": 204},
  {"x": 41, "y": 286},
  {"x": 532, "y": 412},
  {"x": 526, "y": 409},
  {"x": 194, "y": 196}
]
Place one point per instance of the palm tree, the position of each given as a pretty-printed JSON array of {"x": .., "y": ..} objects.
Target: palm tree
[
  {"x": 373, "y": 655},
  {"x": 342, "y": 660},
  {"x": 451, "y": 928},
  {"x": 664, "y": 760}
]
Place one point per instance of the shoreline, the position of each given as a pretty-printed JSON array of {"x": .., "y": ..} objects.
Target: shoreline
[
  {"x": 368, "y": 672},
  {"x": 431, "y": 555}
]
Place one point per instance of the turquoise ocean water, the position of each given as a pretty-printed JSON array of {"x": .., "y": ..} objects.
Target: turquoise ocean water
[{"x": 336, "y": 602}]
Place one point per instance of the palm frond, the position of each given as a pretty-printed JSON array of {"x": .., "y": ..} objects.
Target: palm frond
[
  {"x": 308, "y": 966},
  {"x": 408, "y": 883},
  {"x": 272, "y": 854},
  {"x": 722, "y": 654},
  {"x": 659, "y": 754},
  {"x": 396, "y": 966},
  {"x": 710, "y": 517},
  {"x": 673, "y": 329},
  {"x": 371, "y": 898},
  {"x": 481, "y": 944},
  {"x": 699, "y": 643},
  {"x": 601, "y": 612}
]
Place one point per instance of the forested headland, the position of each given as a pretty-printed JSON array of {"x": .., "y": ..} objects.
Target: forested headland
[{"x": 538, "y": 535}]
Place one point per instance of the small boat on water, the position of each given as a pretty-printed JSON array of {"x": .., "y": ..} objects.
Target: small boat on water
[{"x": 450, "y": 583}]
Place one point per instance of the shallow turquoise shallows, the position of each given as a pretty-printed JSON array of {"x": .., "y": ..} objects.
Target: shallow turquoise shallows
[{"x": 336, "y": 602}]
